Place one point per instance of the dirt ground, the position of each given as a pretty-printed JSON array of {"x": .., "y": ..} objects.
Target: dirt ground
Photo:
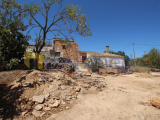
[{"x": 124, "y": 97}]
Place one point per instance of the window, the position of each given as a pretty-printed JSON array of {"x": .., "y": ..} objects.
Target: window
[
  {"x": 64, "y": 46},
  {"x": 57, "y": 54}
]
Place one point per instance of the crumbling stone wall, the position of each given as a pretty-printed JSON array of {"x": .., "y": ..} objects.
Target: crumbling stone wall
[{"x": 71, "y": 52}]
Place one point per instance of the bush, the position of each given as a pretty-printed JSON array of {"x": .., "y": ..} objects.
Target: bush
[
  {"x": 94, "y": 63},
  {"x": 13, "y": 63},
  {"x": 43, "y": 56}
]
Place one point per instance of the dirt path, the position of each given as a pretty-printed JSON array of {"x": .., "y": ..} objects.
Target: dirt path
[{"x": 125, "y": 98}]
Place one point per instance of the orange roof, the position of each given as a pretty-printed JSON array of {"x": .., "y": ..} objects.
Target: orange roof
[{"x": 98, "y": 54}]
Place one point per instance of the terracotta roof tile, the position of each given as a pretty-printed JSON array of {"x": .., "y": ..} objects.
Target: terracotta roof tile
[{"x": 98, "y": 54}]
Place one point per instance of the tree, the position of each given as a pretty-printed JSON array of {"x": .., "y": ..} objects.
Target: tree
[
  {"x": 151, "y": 59},
  {"x": 69, "y": 19},
  {"x": 13, "y": 42},
  {"x": 154, "y": 58},
  {"x": 11, "y": 11}
]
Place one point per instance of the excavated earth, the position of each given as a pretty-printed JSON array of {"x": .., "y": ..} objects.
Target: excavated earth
[{"x": 60, "y": 95}]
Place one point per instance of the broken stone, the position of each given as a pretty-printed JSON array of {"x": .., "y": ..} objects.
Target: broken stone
[
  {"x": 50, "y": 80},
  {"x": 77, "y": 89},
  {"x": 42, "y": 114},
  {"x": 38, "y": 99},
  {"x": 67, "y": 107},
  {"x": 46, "y": 95},
  {"x": 155, "y": 102},
  {"x": 36, "y": 113},
  {"x": 30, "y": 99},
  {"x": 63, "y": 103},
  {"x": 47, "y": 109},
  {"x": 51, "y": 101},
  {"x": 57, "y": 97},
  {"x": 23, "y": 114},
  {"x": 55, "y": 105},
  {"x": 26, "y": 84},
  {"x": 42, "y": 79},
  {"x": 39, "y": 107},
  {"x": 86, "y": 85},
  {"x": 68, "y": 98},
  {"x": 45, "y": 104},
  {"x": 63, "y": 87}
]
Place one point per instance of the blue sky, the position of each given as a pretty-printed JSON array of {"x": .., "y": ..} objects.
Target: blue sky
[{"x": 117, "y": 24}]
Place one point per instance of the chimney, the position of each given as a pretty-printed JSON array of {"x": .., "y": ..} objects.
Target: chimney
[{"x": 107, "y": 49}]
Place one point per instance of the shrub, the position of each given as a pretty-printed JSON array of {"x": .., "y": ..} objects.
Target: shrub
[
  {"x": 13, "y": 63},
  {"x": 94, "y": 63}
]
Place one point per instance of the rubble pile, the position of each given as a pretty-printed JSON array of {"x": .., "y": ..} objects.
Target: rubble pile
[{"x": 50, "y": 92}]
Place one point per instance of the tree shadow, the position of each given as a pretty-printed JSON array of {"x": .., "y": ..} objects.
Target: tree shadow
[{"x": 8, "y": 101}]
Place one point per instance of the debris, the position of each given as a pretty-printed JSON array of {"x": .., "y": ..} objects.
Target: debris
[
  {"x": 68, "y": 98},
  {"x": 77, "y": 89},
  {"x": 51, "y": 101},
  {"x": 67, "y": 107},
  {"x": 23, "y": 114},
  {"x": 47, "y": 109},
  {"x": 26, "y": 84},
  {"x": 36, "y": 113},
  {"x": 42, "y": 114},
  {"x": 38, "y": 99},
  {"x": 43, "y": 79},
  {"x": 63, "y": 87},
  {"x": 157, "y": 74},
  {"x": 55, "y": 105},
  {"x": 46, "y": 95},
  {"x": 79, "y": 74},
  {"x": 63, "y": 103},
  {"x": 39, "y": 107},
  {"x": 30, "y": 99},
  {"x": 86, "y": 85},
  {"x": 50, "y": 79},
  {"x": 155, "y": 102}
]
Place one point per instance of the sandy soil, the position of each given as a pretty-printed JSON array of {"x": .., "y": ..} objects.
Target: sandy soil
[{"x": 127, "y": 97}]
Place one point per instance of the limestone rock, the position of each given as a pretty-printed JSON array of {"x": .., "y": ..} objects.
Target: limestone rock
[
  {"x": 42, "y": 79},
  {"x": 36, "y": 113},
  {"x": 50, "y": 79},
  {"x": 47, "y": 109},
  {"x": 46, "y": 95},
  {"x": 63, "y": 87},
  {"x": 51, "y": 101},
  {"x": 23, "y": 113},
  {"x": 42, "y": 114},
  {"x": 26, "y": 84},
  {"x": 55, "y": 105},
  {"x": 39, "y": 107},
  {"x": 68, "y": 98},
  {"x": 86, "y": 85},
  {"x": 155, "y": 102},
  {"x": 77, "y": 89},
  {"x": 38, "y": 99}
]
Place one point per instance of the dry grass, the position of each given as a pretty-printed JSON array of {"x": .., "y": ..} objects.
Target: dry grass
[{"x": 141, "y": 69}]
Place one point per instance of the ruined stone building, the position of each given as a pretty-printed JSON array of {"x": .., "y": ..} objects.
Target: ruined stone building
[{"x": 71, "y": 51}]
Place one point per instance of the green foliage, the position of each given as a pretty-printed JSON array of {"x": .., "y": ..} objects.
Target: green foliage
[
  {"x": 69, "y": 19},
  {"x": 12, "y": 42},
  {"x": 13, "y": 63},
  {"x": 94, "y": 63},
  {"x": 12, "y": 11},
  {"x": 151, "y": 59},
  {"x": 43, "y": 56}
]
